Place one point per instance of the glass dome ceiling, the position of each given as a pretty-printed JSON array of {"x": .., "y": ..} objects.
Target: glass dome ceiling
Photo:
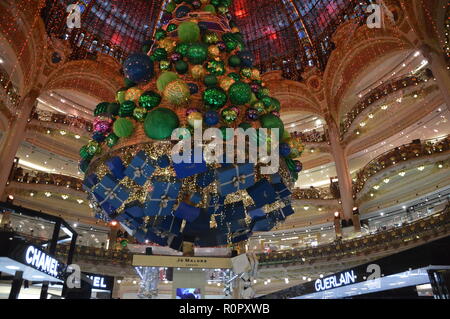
[{"x": 286, "y": 35}]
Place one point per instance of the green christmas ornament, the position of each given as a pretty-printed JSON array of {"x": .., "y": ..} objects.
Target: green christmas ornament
[
  {"x": 246, "y": 72},
  {"x": 181, "y": 67},
  {"x": 93, "y": 148},
  {"x": 253, "y": 99},
  {"x": 216, "y": 68},
  {"x": 164, "y": 79},
  {"x": 230, "y": 45},
  {"x": 84, "y": 154},
  {"x": 272, "y": 121},
  {"x": 172, "y": 27},
  {"x": 197, "y": 53},
  {"x": 120, "y": 95},
  {"x": 222, "y": 10},
  {"x": 127, "y": 108},
  {"x": 240, "y": 93},
  {"x": 123, "y": 127},
  {"x": 160, "y": 123},
  {"x": 234, "y": 61},
  {"x": 182, "y": 48},
  {"x": 211, "y": 37},
  {"x": 210, "y": 80},
  {"x": 286, "y": 136},
  {"x": 139, "y": 114},
  {"x": 160, "y": 54},
  {"x": 171, "y": 6},
  {"x": 189, "y": 32},
  {"x": 259, "y": 106},
  {"x": 113, "y": 109},
  {"x": 160, "y": 34},
  {"x": 229, "y": 115},
  {"x": 214, "y": 98},
  {"x": 111, "y": 140},
  {"x": 234, "y": 76},
  {"x": 209, "y": 8},
  {"x": 164, "y": 65},
  {"x": 262, "y": 93},
  {"x": 226, "y": 3},
  {"x": 267, "y": 101},
  {"x": 101, "y": 108},
  {"x": 215, "y": 3},
  {"x": 149, "y": 100},
  {"x": 275, "y": 105}
]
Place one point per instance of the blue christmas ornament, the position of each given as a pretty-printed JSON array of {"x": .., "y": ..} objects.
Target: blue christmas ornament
[
  {"x": 246, "y": 58},
  {"x": 298, "y": 166},
  {"x": 182, "y": 12},
  {"x": 98, "y": 137},
  {"x": 285, "y": 149},
  {"x": 193, "y": 88},
  {"x": 138, "y": 68},
  {"x": 211, "y": 118}
]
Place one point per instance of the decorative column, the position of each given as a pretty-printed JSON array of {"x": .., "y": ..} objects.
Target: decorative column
[
  {"x": 343, "y": 171},
  {"x": 439, "y": 68},
  {"x": 14, "y": 137}
]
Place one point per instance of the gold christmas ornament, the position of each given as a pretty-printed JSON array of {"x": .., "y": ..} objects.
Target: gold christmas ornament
[
  {"x": 213, "y": 51},
  {"x": 195, "y": 119},
  {"x": 198, "y": 72},
  {"x": 133, "y": 94},
  {"x": 177, "y": 93},
  {"x": 256, "y": 75},
  {"x": 226, "y": 82},
  {"x": 168, "y": 44}
]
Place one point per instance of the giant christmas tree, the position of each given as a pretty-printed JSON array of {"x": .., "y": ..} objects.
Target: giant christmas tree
[{"x": 195, "y": 73}]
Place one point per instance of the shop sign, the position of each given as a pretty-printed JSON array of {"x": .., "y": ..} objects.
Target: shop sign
[{"x": 343, "y": 279}]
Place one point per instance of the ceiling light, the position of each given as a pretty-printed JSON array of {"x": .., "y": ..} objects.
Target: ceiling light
[
  {"x": 306, "y": 207},
  {"x": 32, "y": 194},
  {"x": 48, "y": 194},
  {"x": 371, "y": 116},
  {"x": 77, "y": 137},
  {"x": 377, "y": 187},
  {"x": 80, "y": 201},
  {"x": 421, "y": 168},
  {"x": 62, "y": 132},
  {"x": 286, "y": 280},
  {"x": 65, "y": 197},
  {"x": 362, "y": 124},
  {"x": 386, "y": 180},
  {"x": 12, "y": 267},
  {"x": 384, "y": 107},
  {"x": 417, "y": 54},
  {"x": 402, "y": 174}
]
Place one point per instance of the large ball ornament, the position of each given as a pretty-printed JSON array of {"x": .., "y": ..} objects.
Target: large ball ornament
[
  {"x": 164, "y": 65},
  {"x": 182, "y": 48},
  {"x": 133, "y": 94},
  {"x": 270, "y": 121},
  {"x": 123, "y": 127},
  {"x": 210, "y": 80},
  {"x": 236, "y": 77},
  {"x": 189, "y": 32},
  {"x": 149, "y": 100},
  {"x": 198, "y": 72},
  {"x": 102, "y": 124},
  {"x": 213, "y": 51},
  {"x": 210, "y": 37},
  {"x": 263, "y": 92},
  {"x": 230, "y": 46},
  {"x": 267, "y": 101},
  {"x": 171, "y": 6},
  {"x": 101, "y": 108},
  {"x": 160, "y": 34},
  {"x": 197, "y": 53},
  {"x": 177, "y": 93},
  {"x": 172, "y": 27},
  {"x": 160, "y": 123},
  {"x": 139, "y": 114},
  {"x": 193, "y": 88},
  {"x": 211, "y": 118},
  {"x": 285, "y": 149},
  {"x": 216, "y": 68},
  {"x": 209, "y": 8},
  {"x": 229, "y": 115},
  {"x": 113, "y": 109},
  {"x": 234, "y": 61},
  {"x": 120, "y": 95},
  {"x": 181, "y": 67},
  {"x": 138, "y": 68},
  {"x": 111, "y": 140},
  {"x": 226, "y": 82},
  {"x": 246, "y": 58},
  {"x": 98, "y": 137},
  {"x": 214, "y": 98},
  {"x": 164, "y": 79},
  {"x": 84, "y": 154},
  {"x": 127, "y": 108},
  {"x": 195, "y": 119},
  {"x": 240, "y": 93},
  {"x": 182, "y": 11},
  {"x": 252, "y": 114},
  {"x": 298, "y": 166},
  {"x": 93, "y": 148}
]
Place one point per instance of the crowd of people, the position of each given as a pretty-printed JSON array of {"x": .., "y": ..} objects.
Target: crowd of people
[
  {"x": 36, "y": 177},
  {"x": 313, "y": 136},
  {"x": 63, "y": 119}
]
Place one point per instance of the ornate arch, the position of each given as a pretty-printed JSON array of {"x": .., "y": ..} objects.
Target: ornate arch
[
  {"x": 357, "y": 49},
  {"x": 99, "y": 78}
]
